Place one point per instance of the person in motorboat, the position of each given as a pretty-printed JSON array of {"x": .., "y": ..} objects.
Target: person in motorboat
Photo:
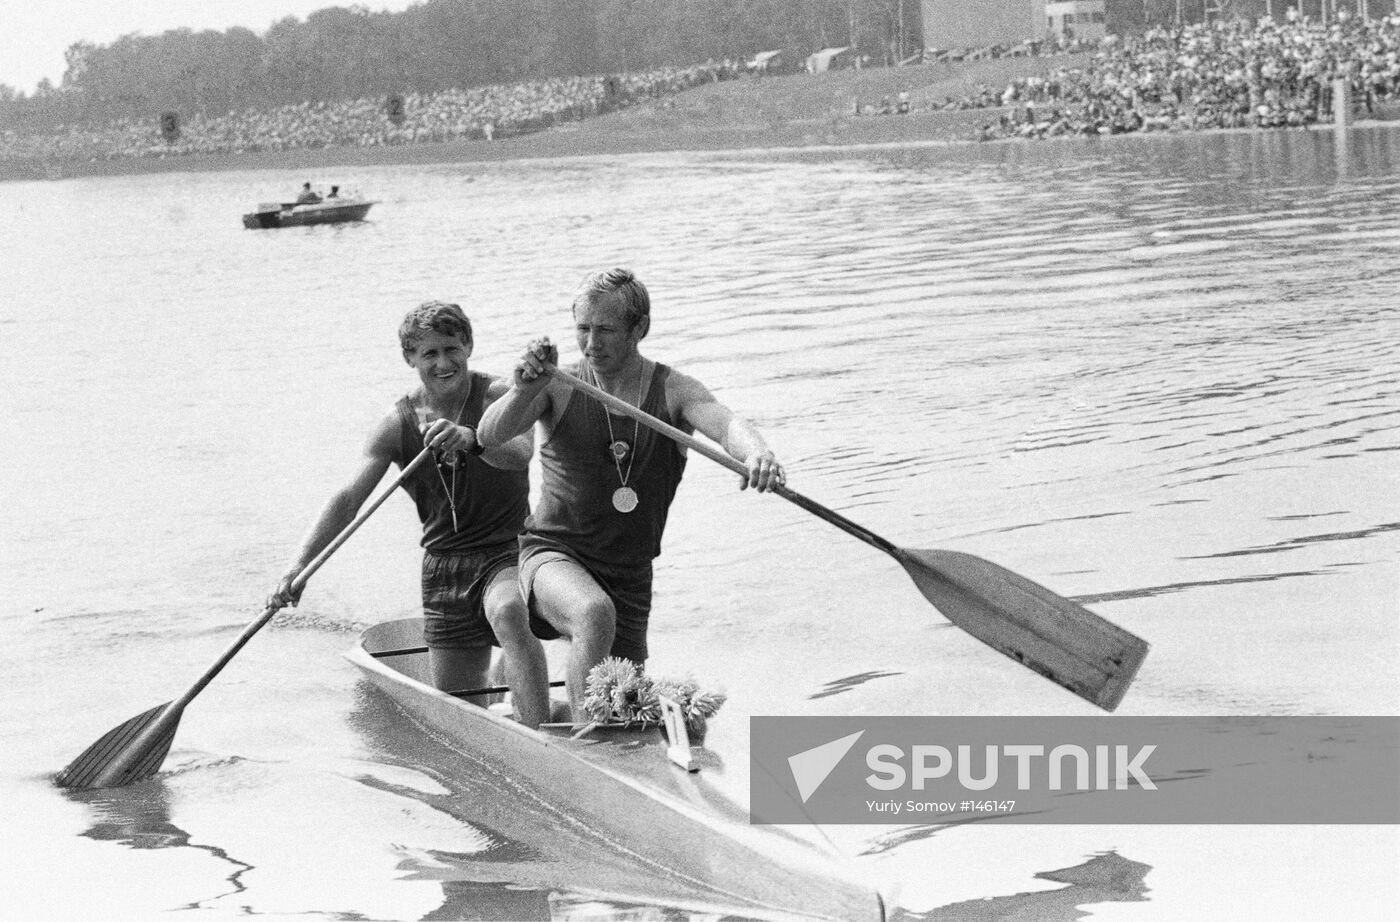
[
  {"x": 307, "y": 196},
  {"x": 607, "y": 483},
  {"x": 472, "y": 503},
  {"x": 334, "y": 193}
]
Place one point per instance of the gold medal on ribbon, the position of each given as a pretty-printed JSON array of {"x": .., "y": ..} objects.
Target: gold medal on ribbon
[{"x": 624, "y": 499}]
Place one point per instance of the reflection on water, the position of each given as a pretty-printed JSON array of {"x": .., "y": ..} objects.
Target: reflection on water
[
  {"x": 846, "y": 683},
  {"x": 1105, "y": 878},
  {"x": 139, "y": 817},
  {"x": 535, "y": 863},
  {"x": 464, "y": 900}
]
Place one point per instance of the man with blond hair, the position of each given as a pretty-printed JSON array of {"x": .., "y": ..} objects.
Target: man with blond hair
[{"x": 586, "y": 553}]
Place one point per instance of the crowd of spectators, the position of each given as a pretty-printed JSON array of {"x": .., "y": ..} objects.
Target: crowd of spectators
[
  {"x": 1031, "y": 47},
  {"x": 477, "y": 113},
  {"x": 1226, "y": 74}
]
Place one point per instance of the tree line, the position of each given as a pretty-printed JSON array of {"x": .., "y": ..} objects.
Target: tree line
[{"x": 341, "y": 53}]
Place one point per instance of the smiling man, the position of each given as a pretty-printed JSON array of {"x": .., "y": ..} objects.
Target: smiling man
[
  {"x": 586, "y": 553},
  {"x": 472, "y": 504}
]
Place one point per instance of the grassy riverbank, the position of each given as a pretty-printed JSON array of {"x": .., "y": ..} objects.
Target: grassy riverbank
[{"x": 792, "y": 110}]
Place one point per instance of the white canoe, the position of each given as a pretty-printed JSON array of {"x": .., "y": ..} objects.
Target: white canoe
[{"x": 686, "y": 831}]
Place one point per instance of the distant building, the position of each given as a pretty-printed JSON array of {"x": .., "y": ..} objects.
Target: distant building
[
  {"x": 971, "y": 24},
  {"x": 977, "y": 23},
  {"x": 1071, "y": 19},
  {"x": 766, "y": 62},
  {"x": 827, "y": 59}
]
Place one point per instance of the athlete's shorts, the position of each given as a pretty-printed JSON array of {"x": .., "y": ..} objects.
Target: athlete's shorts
[
  {"x": 629, "y": 589},
  {"x": 454, "y": 595}
]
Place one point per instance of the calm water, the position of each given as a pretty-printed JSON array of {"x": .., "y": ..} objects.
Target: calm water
[{"x": 1158, "y": 375}]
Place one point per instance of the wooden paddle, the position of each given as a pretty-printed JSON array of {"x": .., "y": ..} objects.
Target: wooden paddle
[
  {"x": 1063, "y": 641},
  {"x": 135, "y": 750}
]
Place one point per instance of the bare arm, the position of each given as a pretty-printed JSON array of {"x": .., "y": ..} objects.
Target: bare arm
[
  {"x": 511, "y": 454},
  {"x": 528, "y": 400},
  {"x": 515, "y": 452},
  {"x": 340, "y": 510},
  {"x": 692, "y": 403}
]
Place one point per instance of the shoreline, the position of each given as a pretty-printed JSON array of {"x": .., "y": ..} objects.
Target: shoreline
[
  {"x": 790, "y": 112},
  {"x": 751, "y": 113},
  {"x": 570, "y": 140},
  {"x": 806, "y": 136}
]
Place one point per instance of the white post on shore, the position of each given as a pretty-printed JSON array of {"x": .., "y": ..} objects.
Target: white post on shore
[{"x": 1341, "y": 119}]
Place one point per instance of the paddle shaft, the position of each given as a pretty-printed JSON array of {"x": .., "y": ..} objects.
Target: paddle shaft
[
  {"x": 719, "y": 457},
  {"x": 165, "y": 723},
  {"x": 1050, "y": 635},
  {"x": 306, "y": 573}
]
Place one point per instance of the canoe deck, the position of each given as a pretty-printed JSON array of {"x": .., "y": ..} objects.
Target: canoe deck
[{"x": 692, "y": 829}]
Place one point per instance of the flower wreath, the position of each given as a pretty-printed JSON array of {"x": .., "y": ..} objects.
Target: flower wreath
[{"x": 619, "y": 692}]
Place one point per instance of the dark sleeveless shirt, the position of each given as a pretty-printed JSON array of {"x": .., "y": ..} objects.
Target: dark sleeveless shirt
[
  {"x": 575, "y": 509},
  {"x": 491, "y": 503}
]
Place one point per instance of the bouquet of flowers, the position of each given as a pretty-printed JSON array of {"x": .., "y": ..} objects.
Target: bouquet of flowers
[
  {"x": 697, "y": 704},
  {"x": 618, "y": 692}
]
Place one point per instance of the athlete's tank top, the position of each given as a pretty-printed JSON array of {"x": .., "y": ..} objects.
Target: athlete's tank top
[
  {"x": 575, "y": 506},
  {"x": 491, "y": 503}
]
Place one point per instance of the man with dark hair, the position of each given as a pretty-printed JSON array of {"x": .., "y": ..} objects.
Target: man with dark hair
[
  {"x": 472, "y": 504},
  {"x": 307, "y": 196},
  {"x": 586, "y": 553}
]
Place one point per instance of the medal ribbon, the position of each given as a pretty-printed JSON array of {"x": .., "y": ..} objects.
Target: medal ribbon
[
  {"x": 612, "y": 439},
  {"x": 452, "y": 491}
]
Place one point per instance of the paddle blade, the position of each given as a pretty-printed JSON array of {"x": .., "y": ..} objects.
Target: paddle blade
[
  {"x": 129, "y": 753},
  {"x": 1063, "y": 641}
]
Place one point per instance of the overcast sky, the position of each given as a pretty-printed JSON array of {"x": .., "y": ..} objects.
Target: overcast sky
[{"x": 34, "y": 34}]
